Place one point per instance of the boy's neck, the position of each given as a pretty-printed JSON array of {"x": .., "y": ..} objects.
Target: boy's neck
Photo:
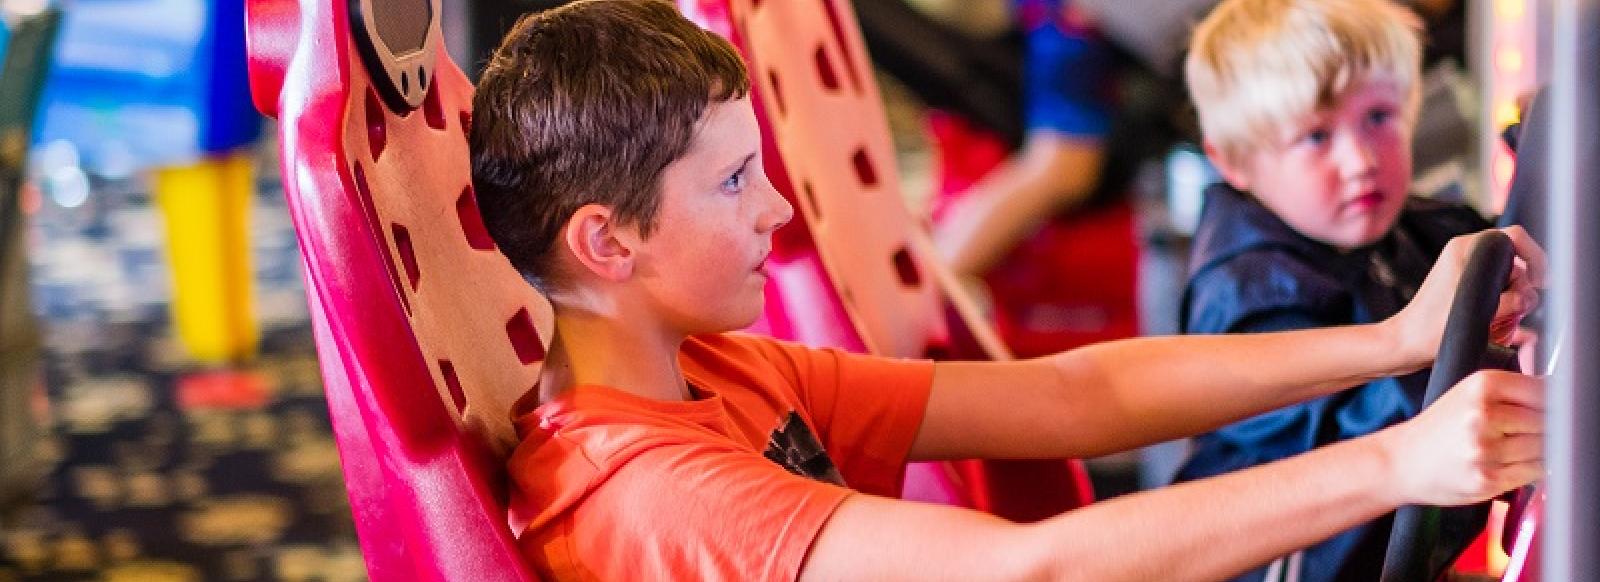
[{"x": 592, "y": 349}]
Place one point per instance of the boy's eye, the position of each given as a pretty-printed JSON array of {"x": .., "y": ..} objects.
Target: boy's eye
[
  {"x": 1379, "y": 116},
  {"x": 1316, "y": 137},
  {"x": 735, "y": 182}
]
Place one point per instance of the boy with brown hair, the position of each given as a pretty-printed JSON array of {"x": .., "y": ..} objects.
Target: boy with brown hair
[
  {"x": 1308, "y": 107},
  {"x": 617, "y": 161}
]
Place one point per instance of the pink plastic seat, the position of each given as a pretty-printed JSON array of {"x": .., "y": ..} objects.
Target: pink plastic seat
[{"x": 425, "y": 332}]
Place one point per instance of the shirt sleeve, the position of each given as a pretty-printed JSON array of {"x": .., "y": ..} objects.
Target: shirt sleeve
[
  {"x": 1066, "y": 72},
  {"x": 697, "y": 511},
  {"x": 866, "y": 409}
]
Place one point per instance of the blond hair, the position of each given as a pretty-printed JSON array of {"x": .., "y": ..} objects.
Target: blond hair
[{"x": 1257, "y": 67}]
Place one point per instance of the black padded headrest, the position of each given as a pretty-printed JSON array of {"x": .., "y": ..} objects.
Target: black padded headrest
[{"x": 398, "y": 48}]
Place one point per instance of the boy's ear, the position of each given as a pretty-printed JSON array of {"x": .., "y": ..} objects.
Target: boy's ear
[
  {"x": 591, "y": 236},
  {"x": 1231, "y": 172}
]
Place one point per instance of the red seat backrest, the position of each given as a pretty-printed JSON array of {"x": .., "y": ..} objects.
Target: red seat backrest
[{"x": 425, "y": 332}]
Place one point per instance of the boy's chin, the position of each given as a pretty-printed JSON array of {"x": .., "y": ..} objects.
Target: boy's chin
[
  {"x": 1361, "y": 234},
  {"x": 751, "y": 316},
  {"x": 736, "y": 319},
  {"x": 1359, "y": 239}
]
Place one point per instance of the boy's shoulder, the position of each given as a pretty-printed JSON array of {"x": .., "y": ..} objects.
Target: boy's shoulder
[
  {"x": 1244, "y": 260},
  {"x": 1259, "y": 281},
  {"x": 717, "y": 354},
  {"x": 1235, "y": 228},
  {"x": 1433, "y": 222}
]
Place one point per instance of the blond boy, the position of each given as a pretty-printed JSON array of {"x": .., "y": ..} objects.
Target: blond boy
[{"x": 1307, "y": 107}]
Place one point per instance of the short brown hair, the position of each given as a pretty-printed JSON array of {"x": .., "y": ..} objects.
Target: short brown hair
[{"x": 588, "y": 104}]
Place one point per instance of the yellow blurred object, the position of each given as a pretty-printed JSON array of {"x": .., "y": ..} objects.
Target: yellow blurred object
[
  {"x": 1497, "y": 559},
  {"x": 1507, "y": 113},
  {"x": 207, "y": 211},
  {"x": 1509, "y": 60},
  {"x": 1511, "y": 9},
  {"x": 151, "y": 571}
]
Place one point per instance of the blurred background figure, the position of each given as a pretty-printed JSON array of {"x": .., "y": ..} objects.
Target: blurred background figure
[
  {"x": 1044, "y": 135},
  {"x": 1051, "y": 229}
]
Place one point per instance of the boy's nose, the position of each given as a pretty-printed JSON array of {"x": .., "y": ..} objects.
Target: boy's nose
[
  {"x": 1356, "y": 157},
  {"x": 780, "y": 212}
]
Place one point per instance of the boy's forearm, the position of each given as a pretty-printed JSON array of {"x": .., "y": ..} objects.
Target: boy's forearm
[
  {"x": 1153, "y": 389},
  {"x": 1202, "y": 530},
  {"x": 1220, "y": 527}
]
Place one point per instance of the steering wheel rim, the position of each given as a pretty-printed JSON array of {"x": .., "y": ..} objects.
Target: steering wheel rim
[{"x": 1425, "y": 540}]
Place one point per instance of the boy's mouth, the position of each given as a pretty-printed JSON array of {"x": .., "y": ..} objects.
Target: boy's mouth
[{"x": 1366, "y": 202}]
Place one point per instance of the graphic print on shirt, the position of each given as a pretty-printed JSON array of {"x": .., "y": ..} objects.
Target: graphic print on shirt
[{"x": 793, "y": 447}]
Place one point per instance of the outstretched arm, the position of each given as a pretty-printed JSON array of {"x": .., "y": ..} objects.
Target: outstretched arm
[
  {"x": 1119, "y": 395},
  {"x": 1053, "y": 172},
  {"x": 1480, "y": 439}
]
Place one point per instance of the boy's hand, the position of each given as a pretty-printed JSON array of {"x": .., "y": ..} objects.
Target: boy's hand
[
  {"x": 1420, "y": 326},
  {"x": 1480, "y": 439}
]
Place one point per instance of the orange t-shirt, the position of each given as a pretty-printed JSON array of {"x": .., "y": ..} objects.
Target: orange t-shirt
[{"x": 733, "y": 485}]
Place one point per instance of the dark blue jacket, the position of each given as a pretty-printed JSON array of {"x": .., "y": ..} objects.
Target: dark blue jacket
[{"x": 1251, "y": 272}]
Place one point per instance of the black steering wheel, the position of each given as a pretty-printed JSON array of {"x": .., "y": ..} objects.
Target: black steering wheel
[
  {"x": 1525, "y": 199},
  {"x": 1426, "y": 540}
]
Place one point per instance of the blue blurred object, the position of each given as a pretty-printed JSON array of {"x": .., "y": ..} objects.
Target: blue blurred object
[
  {"x": 142, "y": 83},
  {"x": 5, "y": 39}
]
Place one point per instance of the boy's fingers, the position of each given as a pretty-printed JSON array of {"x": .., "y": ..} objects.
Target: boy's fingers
[
  {"x": 1519, "y": 269},
  {"x": 1518, "y": 337},
  {"x": 1522, "y": 284},
  {"x": 1522, "y": 448},
  {"x": 1520, "y": 280},
  {"x": 1515, "y": 475},
  {"x": 1512, "y": 419},
  {"x": 1512, "y": 388},
  {"x": 1530, "y": 252},
  {"x": 1521, "y": 336},
  {"x": 1527, "y": 342},
  {"x": 1514, "y": 305}
]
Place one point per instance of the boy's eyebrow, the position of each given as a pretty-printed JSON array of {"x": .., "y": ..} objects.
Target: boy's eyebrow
[{"x": 728, "y": 169}]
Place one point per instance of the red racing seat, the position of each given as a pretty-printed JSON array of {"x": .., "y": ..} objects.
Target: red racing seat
[{"x": 425, "y": 333}]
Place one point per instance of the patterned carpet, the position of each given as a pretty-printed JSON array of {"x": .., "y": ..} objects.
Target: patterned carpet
[{"x": 155, "y": 468}]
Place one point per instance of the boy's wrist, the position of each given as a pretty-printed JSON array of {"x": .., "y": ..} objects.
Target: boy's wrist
[
  {"x": 1384, "y": 449},
  {"x": 1398, "y": 347}
]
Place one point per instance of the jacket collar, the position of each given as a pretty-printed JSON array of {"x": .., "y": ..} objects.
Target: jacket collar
[{"x": 1233, "y": 222}]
